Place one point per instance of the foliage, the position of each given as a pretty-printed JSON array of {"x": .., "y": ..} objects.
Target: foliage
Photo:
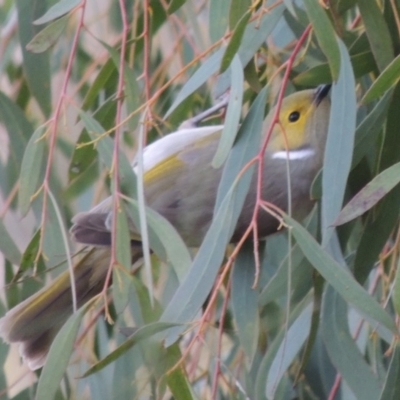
[{"x": 84, "y": 82}]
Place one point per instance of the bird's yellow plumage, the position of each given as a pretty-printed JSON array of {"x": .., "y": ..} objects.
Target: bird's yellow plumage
[{"x": 164, "y": 167}]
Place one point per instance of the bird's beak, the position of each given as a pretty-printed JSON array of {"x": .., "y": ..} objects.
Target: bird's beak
[{"x": 320, "y": 93}]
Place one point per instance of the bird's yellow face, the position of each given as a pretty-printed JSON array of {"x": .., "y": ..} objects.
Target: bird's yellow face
[{"x": 295, "y": 120}]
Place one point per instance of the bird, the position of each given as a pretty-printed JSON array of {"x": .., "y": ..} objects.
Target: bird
[{"x": 181, "y": 184}]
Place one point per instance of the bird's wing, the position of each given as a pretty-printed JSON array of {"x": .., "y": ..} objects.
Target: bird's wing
[{"x": 161, "y": 161}]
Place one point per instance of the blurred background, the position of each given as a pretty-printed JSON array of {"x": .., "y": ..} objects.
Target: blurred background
[{"x": 60, "y": 84}]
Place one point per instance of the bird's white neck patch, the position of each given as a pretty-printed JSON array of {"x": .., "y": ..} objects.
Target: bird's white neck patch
[{"x": 301, "y": 154}]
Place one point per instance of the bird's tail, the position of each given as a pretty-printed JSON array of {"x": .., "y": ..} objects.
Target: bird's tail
[{"x": 36, "y": 321}]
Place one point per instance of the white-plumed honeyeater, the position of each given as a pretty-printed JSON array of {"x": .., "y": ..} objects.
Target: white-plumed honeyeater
[{"x": 181, "y": 184}]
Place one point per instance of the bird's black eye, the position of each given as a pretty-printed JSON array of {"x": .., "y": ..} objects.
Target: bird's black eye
[{"x": 294, "y": 116}]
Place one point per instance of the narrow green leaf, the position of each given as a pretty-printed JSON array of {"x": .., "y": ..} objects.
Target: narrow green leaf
[
  {"x": 396, "y": 289},
  {"x": 254, "y": 37},
  {"x": 204, "y": 72},
  {"x": 179, "y": 385},
  {"x": 385, "y": 81},
  {"x": 325, "y": 34},
  {"x": 234, "y": 42},
  {"x": 368, "y": 129},
  {"x": 257, "y": 32},
  {"x": 19, "y": 132},
  {"x": 198, "y": 282},
  {"x": 245, "y": 300},
  {"x": 343, "y": 350},
  {"x": 364, "y": 200},
  {"x": 218, "y": 18},
  {"x": 8, "y": 247},
  {"x": 105, "y": 149},
  {"x": 30, "y": 253},
  {"x": 277, "y": 286},
  {"x": 83, "y": 156},
  {"x": 246, "y": 148},
  {"x": 57, "y": 10},
  {"x": 384, "y": 218},
  {"x": 391, "y": 388},
  {"x": 175, "y": 5},
  {"x": 277, "y": 343},
  {"x": 31, "y": 168},
  {"x": 133, "y": 96},
  {"x": 339, "y": 145},
  {"x": 142, "y": 333},
  {"x": 232, "y": 114},
  {"x": 288, "y": 350},
  {"x": 105, "y": 78},
  {"x": 58, "y": 358},
  {"x": 121, "y": 277},
  {"x": 289, "y": 5},
  {"x": 48, "y": 36},
  {"x": 339, "y": 277},
  {"x": 363, "y": 63},
  {"x": 165, "y": 241},
  {"x": 377, "y": 32},
  {"x": 36, "y": 66},
  {"x": 237, "y": 9},
  {"x": 132, "y": 91}
]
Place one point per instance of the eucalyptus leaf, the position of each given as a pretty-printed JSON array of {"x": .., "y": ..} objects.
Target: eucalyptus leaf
[
  {"x": 8, "y": 247},
  {"x": 57, "y": 10},
  {"x": 232, "y": 114},
  {"x": 231, "y": 195},
  {"x": 339, "y": 277},
  {"x": 36, "y": 66},
  {"x": 58, "y": 358},
  {"x": 386, "y": 80},
  {"x": 31, "y": 168},
  {"x": 234, "y": 42},
  {"x": 377, "y": 32},
  {"x": 245, "y": 300},
  {"x": 391, "y": 388},
  {"x": 142, "y": 333},
  {"x": 340, "y": 143},
  {"x": 325, "y": 34},
  {"x": 47, "y": 36},
  {"x": 343, "y": 350},
  {"x": 370, "y": 194}
]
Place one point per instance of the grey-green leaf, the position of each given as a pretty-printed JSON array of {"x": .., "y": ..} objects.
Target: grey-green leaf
[
  {"x": 57, "y": 10},
  {"x": 218, "y": 18},
  {"x": 36, "y": 66},
  {"x": 377, "y": 32},
  {"x": 391, "y": 388},
  {"x": 31, "y": 169},
  {"x": 58, "y": 358},
  {"x": 233, "y": 113},
  {"x": 325, "y": 34},
  {"x": 165, "y": 241},
  {"x": 373, "y": 192},
  {"x": 245, "y": 300},
  {"x": 340, "y": 143},
  {"x": 47, "y": 36},
  {"x": 343, "y": 350},
  {"x": 234, "y": 42},
  {"x": 140, "y": 334},
  {"x": 208, "y": 68},
  {"x": 294, "y": 340},
  {"x": 385, "y": 81},
  {"x": 8, "y": 247},
  {"x": 339, "y": 277},
  {"x": 199, "y": 280}
]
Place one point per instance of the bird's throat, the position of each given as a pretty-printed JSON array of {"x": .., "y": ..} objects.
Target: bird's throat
[{"x": 300, "y": 154}]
